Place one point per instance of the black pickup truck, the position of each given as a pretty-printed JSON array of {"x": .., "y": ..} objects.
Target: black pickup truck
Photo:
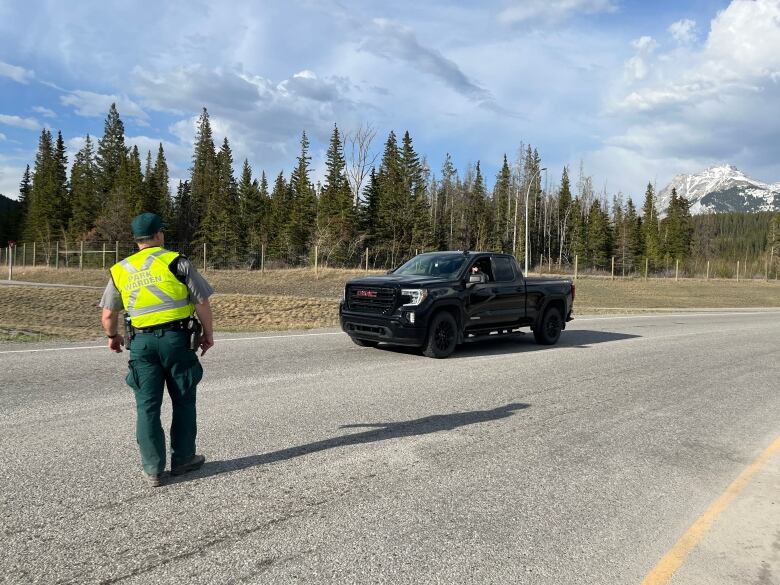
[{"x": 438, "y": 300}]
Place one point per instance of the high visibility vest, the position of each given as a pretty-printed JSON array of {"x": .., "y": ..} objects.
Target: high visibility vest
[{"x": 151, "y": 293}]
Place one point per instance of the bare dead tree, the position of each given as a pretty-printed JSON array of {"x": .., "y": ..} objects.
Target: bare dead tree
[{"x": 357, "y": 151}]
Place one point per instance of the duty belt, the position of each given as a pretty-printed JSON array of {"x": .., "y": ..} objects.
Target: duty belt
[{"x": 180, "y": 325}]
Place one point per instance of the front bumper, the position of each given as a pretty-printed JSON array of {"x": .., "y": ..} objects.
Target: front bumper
[{"x": 394, "y": 328}]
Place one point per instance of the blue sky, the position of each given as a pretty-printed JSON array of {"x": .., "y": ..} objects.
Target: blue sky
[{"x": 637, "y": 90}]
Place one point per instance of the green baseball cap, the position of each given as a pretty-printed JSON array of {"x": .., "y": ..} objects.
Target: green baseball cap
[{"x": 146, "y": 224}]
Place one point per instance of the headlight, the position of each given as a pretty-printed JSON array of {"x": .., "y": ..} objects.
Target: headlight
[{"x": 415, "y": 296}]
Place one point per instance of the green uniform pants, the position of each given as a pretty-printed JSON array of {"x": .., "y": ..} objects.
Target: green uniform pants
[{"x": 159, "y": 358}]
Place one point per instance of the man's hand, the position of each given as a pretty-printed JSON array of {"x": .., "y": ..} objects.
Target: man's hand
[
  {"x": 206, "y": 342},
  {"x": 116, "y": 344}
]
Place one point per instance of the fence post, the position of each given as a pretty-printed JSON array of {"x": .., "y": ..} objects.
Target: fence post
[
  {"x": 81, "y": 255},
  {"x": 366, "y": 259},
  {"x": 708, "y": 271},
  {"x": 677, "y": 270},
  {"x": 104, "y": 255},
  {"x": 737, "y": 270},
  {"x": 613, "y": 268},
  {"x": 67, "y": 258},
  {"x": 56, "y": 255},
  {"x": 647, "y": 265},
  {"x": 33, "y": 262},
  {"x": 116, "y": 252},
  {"x": 10, "y": 263},
  {"x": 16, "y": 250},
  {"x": 204, "y": 256},
  {"x": 576, "y": 259},
  {"x": 24, "y": 254},
  {"x": 766, "y": 270},
  {"x": 316, "y": 259},
  {"x": 262, "y": 259}
]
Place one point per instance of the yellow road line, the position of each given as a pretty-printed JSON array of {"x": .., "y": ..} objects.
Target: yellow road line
[{"x": 668, "y": 565}]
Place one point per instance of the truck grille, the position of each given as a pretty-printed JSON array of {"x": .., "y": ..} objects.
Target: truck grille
[{"x": 367, "y": 299}]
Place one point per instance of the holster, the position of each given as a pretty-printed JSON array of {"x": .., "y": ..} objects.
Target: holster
[
  {"x": 129, "y": 331},
  {"x": 194, "y": 329}
]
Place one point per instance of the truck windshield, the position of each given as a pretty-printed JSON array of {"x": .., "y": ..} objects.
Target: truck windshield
[{"x": 444, "y": 265}]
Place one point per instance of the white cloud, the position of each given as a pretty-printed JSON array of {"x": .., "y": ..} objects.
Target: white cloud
[
  {"x": 553, "y": 10},
  {"x": 18, "y": 74},
  {"x": 45, "y": 112},
  {"x": 714, "y": 103},
  {"x": 636, "y": 67},
  {"x": 96, "y": 105},
  {"x": 683, "y": 31},
  {"x": 19, "y": 122},
  {"x": 2, "y": 137},
  {"x": 10, "y": 176}
]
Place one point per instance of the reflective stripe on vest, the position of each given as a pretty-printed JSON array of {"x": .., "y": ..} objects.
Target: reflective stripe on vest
[{"x": 151, "y": 293}]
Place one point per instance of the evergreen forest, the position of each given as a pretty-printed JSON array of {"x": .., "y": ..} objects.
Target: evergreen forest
[{"x": 380, "y": 201}]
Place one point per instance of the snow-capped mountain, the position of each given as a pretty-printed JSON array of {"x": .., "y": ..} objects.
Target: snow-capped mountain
[{"x": 722, "y": 188}]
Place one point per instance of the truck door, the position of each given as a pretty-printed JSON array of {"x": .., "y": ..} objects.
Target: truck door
[
  {"x": 509, "y": 290},
  {"x": 481, "y": 298}
]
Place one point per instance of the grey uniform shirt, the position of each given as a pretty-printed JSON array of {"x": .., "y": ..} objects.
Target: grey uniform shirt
[{"x": 199, "y": 289}]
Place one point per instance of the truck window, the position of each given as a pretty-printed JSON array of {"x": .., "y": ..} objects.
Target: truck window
[{"x": 504, "y": 270}]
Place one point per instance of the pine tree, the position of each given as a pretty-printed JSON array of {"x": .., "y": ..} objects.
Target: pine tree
[
  {"x": 393, "y": 227},
  {"x": 369, "y": 212},
  {"x": 416, "y": 207},
  {"x": 633, "y": 227},
  {"x": 204, "y": 168},
  {"x": 182, "y": 228},
  {"x": 85, "y": 190},
  {"x": 501, "y": 207},
  {"x": 579, "y": 233},
  {"x": 565, "y": 215},
  {"x": 63, "y": 203},
  {"x": 161, "y": 180},
  {"x": 280, "y": 218},
  {"x": 129, "y": 185},
  {"x": 599, "y": 236},
  {"x": 111, "y": 153},
  {"x": 40, "y": 223},
  {"x": 335, "y": 213},
  {"x": 222, "y": 227},
  {"x": 476, "y": 224},
  {"x": 650, "y": 237},
  {"x": 303, "y": 212},
  {"x": 677, "y": 228},
  {"x": 25, "y": 189}
]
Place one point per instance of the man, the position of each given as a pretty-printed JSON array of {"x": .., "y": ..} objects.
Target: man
[{"x": 160, "y": 290}]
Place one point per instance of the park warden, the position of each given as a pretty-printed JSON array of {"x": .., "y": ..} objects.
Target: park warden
[{"x": 161, "y": 291}]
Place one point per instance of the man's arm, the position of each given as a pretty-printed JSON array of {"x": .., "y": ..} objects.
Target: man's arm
[
  {"x": 110, "y": 319},
  {"x": 206, "y": 319},
  {"x": 111, "y": 302}
]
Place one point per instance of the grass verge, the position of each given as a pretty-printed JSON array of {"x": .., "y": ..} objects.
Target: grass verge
[{"x": 294, "y": 299}]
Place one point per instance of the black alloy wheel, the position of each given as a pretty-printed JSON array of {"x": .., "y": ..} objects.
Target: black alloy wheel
[
  {"x": 442, "y": 336},
  {"x": 550, "y": 329}
]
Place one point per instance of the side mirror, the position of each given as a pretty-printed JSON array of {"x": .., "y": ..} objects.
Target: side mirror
[{"x": 478, "y": 278}]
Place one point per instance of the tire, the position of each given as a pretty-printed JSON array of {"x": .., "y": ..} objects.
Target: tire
[
  {"x": 549, "y": 330},
  {"x": 364, "y": 342},
  {"x": 442, "y": 336}
]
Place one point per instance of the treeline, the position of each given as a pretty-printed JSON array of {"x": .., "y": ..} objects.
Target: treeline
[{"x": 390, "y": 203}]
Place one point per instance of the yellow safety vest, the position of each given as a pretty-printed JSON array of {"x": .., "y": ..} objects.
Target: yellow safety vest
[{"x": 151, "y": 293}]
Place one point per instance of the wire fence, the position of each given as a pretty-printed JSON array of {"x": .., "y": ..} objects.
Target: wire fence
[{"x": 102, "y": 255}]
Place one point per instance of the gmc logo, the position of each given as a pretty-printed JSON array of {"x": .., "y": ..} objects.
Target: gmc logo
[{"x": 366, "y": 293}]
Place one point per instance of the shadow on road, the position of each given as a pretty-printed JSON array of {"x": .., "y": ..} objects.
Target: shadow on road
[
  {"x": 523, "y": 342},
  {"x": 381, "y": 431}
]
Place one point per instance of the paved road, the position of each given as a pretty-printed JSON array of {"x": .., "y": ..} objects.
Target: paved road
[{"x": 329, "y": 463}]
